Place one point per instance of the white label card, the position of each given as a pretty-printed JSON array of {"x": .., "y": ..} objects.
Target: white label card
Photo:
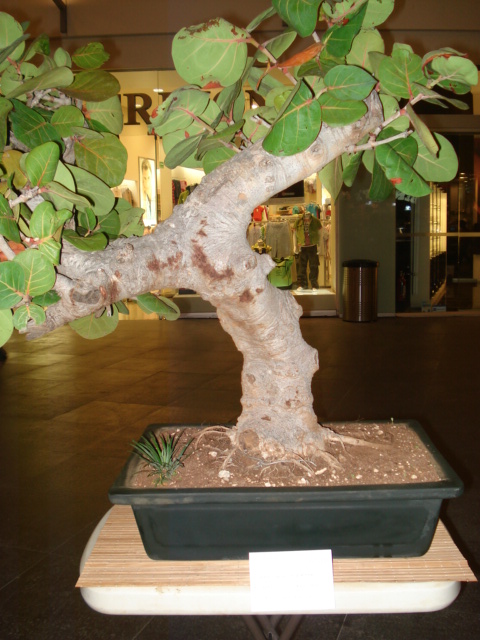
[{"x": 291, "y": 581}]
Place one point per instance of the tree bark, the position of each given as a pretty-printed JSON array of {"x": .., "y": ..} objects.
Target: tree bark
[{"x": 203, "y": 246}]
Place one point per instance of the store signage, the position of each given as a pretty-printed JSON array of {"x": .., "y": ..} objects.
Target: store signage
[{"x": 138, "y": 105}]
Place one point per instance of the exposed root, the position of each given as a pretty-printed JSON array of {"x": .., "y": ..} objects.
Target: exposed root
[
  {"x": 329, "y": 459},
  {"x": 304, "y": 466},
  {"x": 331, "y": 436},
  {"x": 227, "y": 460},
  {"x": 218, "y": 430},
  {"x": 295, "y": 459},
  {"x": 268, "y": 461}
]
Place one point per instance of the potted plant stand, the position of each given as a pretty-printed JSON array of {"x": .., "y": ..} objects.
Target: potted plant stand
[{"x": 384, "y": 520}]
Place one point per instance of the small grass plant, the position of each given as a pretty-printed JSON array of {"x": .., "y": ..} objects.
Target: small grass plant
[{"x": 163, "y": 453}]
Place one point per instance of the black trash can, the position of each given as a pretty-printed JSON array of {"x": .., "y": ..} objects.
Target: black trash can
[{"x": 360, "y": 290}]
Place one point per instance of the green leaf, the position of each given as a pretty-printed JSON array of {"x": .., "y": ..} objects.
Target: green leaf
[
  {"x": 62, "y": 197},
  {"x": 396, "y": 159},
  {"x": 87, "y": 221},
  {"x": 92, "y": 328},
  {"x": 7, "y": 51},
  {"x": 196, "y": 130},
  {"x": 122, "y": 308},
  {"x": 319, "y": 66},
  {"x": 423, "y": 131},
  {"x": 8, "y": 225},
  {"x": 164, "y": 307},
  {"x": 5, "y": 107},
  {"x": 211, "y": 53},
  {"x": 216, "y": 140},
  {"x": 11, "y": 79},
  {"x": 41, "y": 46},
  {"x": 62, "y": 58},
  {"x": 268, "y": 13},
  {"x": 27, "y": 313},
  {"x": 41, "y": 163},
  {"x": 350, "y": 165},
  {"x": 65, "y": 118},
  {"x": 106, "y": 115},
  {"x": 92, "y": 56},
  {"x": 456, "y": 69},
  {"x": 216, "y": 157},
  {"x": 110, "y": 225},
  {"x": 262, "y": 83},
  {"x": 56, "y": 78},
  {"x": 11, "y": 160},
  {"x": 436, "y": 98},
  {"x": 182, "y": 105},
  {"x": 29, "y": 126},
  {"x": 331, "y": 176},
  {"x": 277, "y": 45},
  {"x": 338, "y": 113},
  {"x": 380, "y": 188},
  {"x": 301, "y": 15},
  {"x": 349, "y": 83},
  {"x": 11, "y": 38},
  {"x": 6, "y": 325},
  {"x": 444, "y": 52},
  {"x": 106, "y": 158},
  {"x": 227, "y": 97},
  {"x": 442, "y": 167},
  {"x": 377, "y": 12},
  {"x": 46, "y": 220},
  {"x": 100, "y": 196},
  {"x": 368, "y": 160},
  {"x": 297, "y": 126},
  {"x": 130, "y": 221},
  {"x": 95, "y": 242},
  {"x": 391, "y": 108},
  {"x": 398, "y": 74},
  {"x": 46, "y": 299},
  {"x": 339, "y": 38},
  {"x": 182, "y": 150},
  {"x": 12, "y": 283},
  {"x": 51, "y": 249},
  {"x": 39, "y": 272},
  {"x": 368, "y": 41},
  {"x": 93, "y": 86},
  {"x": 254, "y": 128}
]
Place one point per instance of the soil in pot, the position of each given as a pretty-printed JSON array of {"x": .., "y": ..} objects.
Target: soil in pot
[{"x": 390, "y": 453}]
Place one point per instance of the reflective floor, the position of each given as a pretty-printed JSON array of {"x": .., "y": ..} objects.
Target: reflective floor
[{"x": 70, "y": 407}]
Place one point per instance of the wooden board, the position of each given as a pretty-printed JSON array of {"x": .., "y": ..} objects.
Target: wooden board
[{"x": 119, "y": 560}]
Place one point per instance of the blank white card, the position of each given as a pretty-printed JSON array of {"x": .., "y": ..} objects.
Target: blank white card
[{"x": 291, "y": 581}]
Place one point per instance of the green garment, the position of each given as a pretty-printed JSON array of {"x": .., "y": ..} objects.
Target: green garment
[
  {"x": 281, "y": 274},
  {"x": 314, "y": 231}
]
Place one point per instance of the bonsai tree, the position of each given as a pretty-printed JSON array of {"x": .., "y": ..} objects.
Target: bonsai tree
[{"x": 73, "y": 252}]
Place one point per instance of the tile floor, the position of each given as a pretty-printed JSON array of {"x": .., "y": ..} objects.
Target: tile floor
[{"x": 69, "y": 408}]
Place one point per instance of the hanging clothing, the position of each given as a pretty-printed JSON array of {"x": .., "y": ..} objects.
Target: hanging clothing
[
  {"x": 277, "y": 235},
  {"x": 314, "y": 209},
  {"x": 259, "y": 213},
  {"x": 281, "y": 275},
  {"x": 255, "y": 232},
  {"x": 308, "y": 231}
]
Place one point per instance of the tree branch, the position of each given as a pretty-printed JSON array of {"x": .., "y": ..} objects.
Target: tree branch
[
  {"x": 203, "y": 245},
  {"x": 5, "y": 248}
]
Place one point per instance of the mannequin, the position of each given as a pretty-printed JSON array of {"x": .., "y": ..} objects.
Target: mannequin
[{"x": 308, "y": 236}]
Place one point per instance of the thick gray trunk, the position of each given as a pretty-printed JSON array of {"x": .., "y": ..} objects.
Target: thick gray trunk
[{"x": 203, "y": 246}]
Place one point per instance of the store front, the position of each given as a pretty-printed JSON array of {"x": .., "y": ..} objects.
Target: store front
[
  {"x": 296, "y": 228},
  {"x": 428, "y": 249}
]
